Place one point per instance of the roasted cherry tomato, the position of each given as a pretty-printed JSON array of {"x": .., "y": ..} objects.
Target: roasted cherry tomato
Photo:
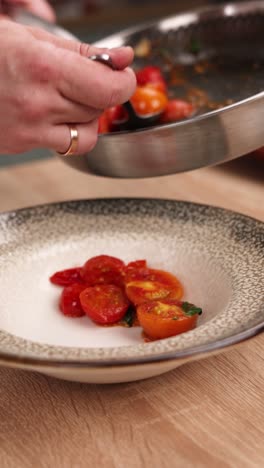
[
  {"x": 103, "y": 269},
  {"x": 111, "y": 119},
  {"x": 152, "y": 77},
  {"x": 116, "y": 115},
  {"x": 70, "y": 300},
  {"x": 148, "y": 100},
  {"x": 158, "y": 86},
  {"x": 177, "y": 109},
  {"x": 149, "y": 74},
  {"x": 259, "y": 153},
  {"x": 162, "y": 319},
  {"x": 67, "y": 277},
  {"x": 136, "y": 270},
  {"x": 150, "y": 285},
  {"x": 103, "y": 124},
  {"x": 104, "y": 304},
  {"x": 137, "y": 264}
]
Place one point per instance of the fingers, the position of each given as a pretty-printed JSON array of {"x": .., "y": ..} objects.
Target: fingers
[
  {"x": 93, "y": 84},
  {"x": 122, "y": 57},
  {"x": 84, "y": 81},
  {"x": 59, "y": 137},
  {"x": 71, "y": 112}
]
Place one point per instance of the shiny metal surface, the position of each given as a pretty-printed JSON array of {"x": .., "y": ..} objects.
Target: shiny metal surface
[
  {"x": 24, "y": 17},
  {"x": 207, "y": 139}
]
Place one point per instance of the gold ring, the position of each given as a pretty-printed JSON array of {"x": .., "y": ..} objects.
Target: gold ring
[{"x": 74, "y": 141}]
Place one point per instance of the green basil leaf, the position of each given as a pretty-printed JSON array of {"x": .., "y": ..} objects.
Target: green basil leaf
[
  {"x": 129, "y": 317},
  {"x": 191, "y": 309},
  {"x": 195, "y": 47}
]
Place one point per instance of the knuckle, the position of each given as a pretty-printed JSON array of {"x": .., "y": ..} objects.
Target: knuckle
[
  {"x": 31, "y": 109},
  {"x": 84, "y": 49},
  {"x": 41, "y": 68}
]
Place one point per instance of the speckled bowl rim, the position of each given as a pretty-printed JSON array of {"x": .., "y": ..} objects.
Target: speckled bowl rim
[{"x": 152, "y": 352}]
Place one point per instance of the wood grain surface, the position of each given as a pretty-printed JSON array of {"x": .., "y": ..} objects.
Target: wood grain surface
[{"x": 204, "y": 414}]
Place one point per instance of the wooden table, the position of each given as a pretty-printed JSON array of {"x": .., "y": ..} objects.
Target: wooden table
[{"x": 204, "y": 414}]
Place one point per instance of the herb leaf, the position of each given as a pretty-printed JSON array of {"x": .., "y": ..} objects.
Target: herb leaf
[
  {"x": 195, "y": 47},
  {"x": 191, "y": 309},
  {"x": 129, "y": 317}
]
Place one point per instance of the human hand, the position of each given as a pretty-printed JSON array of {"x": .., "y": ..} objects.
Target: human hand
[
  {"x": 39, "y": 7},
  {"x": 47, "y": 83}
]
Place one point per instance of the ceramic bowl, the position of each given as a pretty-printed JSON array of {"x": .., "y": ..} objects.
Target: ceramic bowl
[{"x": 217, "y": 254}]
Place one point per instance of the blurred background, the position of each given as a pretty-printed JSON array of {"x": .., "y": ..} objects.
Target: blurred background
[{"x": 93, "y": 19}]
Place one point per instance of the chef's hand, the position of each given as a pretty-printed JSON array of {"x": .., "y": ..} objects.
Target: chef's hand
[{"x": 47, "y": 83}]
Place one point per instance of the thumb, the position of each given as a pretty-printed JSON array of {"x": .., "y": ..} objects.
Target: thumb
[{"x": 122, "y": 57}]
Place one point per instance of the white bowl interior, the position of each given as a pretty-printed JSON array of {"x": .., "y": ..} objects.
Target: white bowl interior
[{"x": 30, "y": 302}]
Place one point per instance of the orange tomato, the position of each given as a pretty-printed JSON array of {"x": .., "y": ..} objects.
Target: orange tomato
[
  {"x": 162, "y": 319},
  {"x": 147, "y": 284},
  {"x": 147, "y": 100}
]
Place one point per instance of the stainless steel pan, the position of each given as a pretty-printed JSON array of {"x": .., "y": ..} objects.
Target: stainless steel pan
[{"x": 231, "y": 37}]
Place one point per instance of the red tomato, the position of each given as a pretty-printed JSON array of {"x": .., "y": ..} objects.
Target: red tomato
[
  {"x": 116, "y": 115},
  {"x": 148, "y": 100},
  {"x": 177, "y": 109},
  {"x": 136, "y": 270},
  {"x": 149, "y": 285},
  {"x": 103, "y": 124},
  {"x": 259, "y": 153},
  {"x": 104, "y": 304},
  {"x": 103, "y": 269},
  {"x": 162, "y": 319},
  {"x": 149, "y": 74},
  {"x": 137, "y": 264},
  {"x": 70, "y": 300},
  {"x": 67, "y": 277}
]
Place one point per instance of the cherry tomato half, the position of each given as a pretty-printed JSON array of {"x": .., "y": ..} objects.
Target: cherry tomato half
[
  {"x": 148, "y": 100},
  {"x": 162, "y": 319},
  {"x": 104, "y": 304},
  {"x": 259, "y": 153},
  {"x": 136, "y": 264},
  {"x": 103, "y": 269},
  {"x": 149, "y": 74},
  {"x": 158, "y": 86},
  {"x": 116, "y": 115},
  {"x": 70, "y": 300},
  {"x": 177, "y": 109},
  {"x": 150, "y": 285},
  {"x": 67, "y": 277},
  {"x": 103, "y": 123}
]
